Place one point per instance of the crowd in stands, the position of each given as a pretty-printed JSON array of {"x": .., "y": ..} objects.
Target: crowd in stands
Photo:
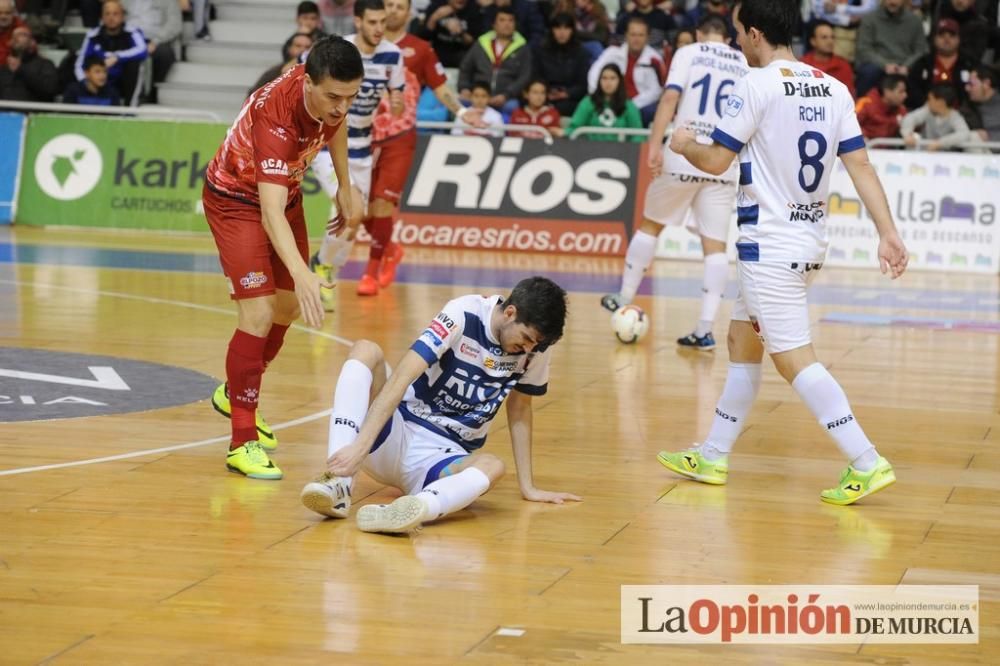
[{"x": 921, "y": 70}]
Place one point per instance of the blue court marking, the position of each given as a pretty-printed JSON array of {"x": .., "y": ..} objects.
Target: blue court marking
[{"x": 892, "y": 296}]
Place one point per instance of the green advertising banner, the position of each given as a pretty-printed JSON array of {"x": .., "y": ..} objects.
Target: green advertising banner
[{"x": 126, "y": 174}]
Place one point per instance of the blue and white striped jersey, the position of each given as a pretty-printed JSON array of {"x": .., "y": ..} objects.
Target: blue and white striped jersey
[
  {"x": 469, "y": 374},
  {"x": 383, "y": 71}
]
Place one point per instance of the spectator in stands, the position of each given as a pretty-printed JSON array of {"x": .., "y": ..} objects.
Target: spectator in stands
[
  {"x": 941, "y": 126},
  {"x": 889, "y": 40},
  {"x": 658, "y": 21},
  {"x": 480, "y": 96},
  {"x": 26, "y": 76},
  {"x": 845, "y": 17},
  {"x": 882, "y": 109},
  {"x": 293, "y": 47},
  {"x": 501, "y": 56},
  {"x": 943, "y": 65},
  {"x": 94, "y": 89},
  {"x": 122, "y": 47},
  {"x": 974, "y": 29},
  {"x": 822, "y": 57},
  {"x": 593, "y": 26},
  {"x": 682, "y": 37},
  {"x": 644, "y": 70},
  {"x": 535, "y": 110},
  {"x": 526, "y": 14},
  {"x": 9, "y": 21},
  {"x": 451, "y": 28},
  {"x": 562, "y": 64},
  {"x": 607, "y": 106},
  {"x": 198, "y": 10},
  {"x": 338, "y": 16},
  {"x": 160, "y": 23},
  {"x": 982, "y": 91},
  {"x": 308, "y": 20}
]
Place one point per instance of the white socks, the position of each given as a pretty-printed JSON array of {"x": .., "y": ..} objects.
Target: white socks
[
  {"x": 641, "y": 250},
  {"x": 453, "y": 493},
  {"x": 828, "y": 403},
  {"x": 350, "y": 405},
  {"x": 714, "y": 285},
  {"x": 742, "y": 384}
]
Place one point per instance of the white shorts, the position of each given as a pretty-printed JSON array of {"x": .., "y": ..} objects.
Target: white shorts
[
  {"x": 773, "y": 299},
  {"x": 409, "y": 456},
  {"x": 360, "y": 170},
  {"x": 671, "y": 195}
]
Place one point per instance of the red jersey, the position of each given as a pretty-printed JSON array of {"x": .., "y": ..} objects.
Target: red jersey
[
  {"x": 422, "y": 69},
  {"x": 419, "y": 58},
  {"x": 273, "y": 140},
  {"x": 547, "y": 116}
]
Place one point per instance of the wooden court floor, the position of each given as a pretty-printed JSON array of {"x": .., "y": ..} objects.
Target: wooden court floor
[{"x": 164, "y": 558}]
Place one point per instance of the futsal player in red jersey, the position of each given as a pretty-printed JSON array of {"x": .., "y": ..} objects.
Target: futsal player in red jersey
[
  {"x": 253, "y": 202},
  {"x": 395, "y": 140}
]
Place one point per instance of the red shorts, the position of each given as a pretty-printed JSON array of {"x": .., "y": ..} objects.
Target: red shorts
[
  {"x": 249, "y": 262},
  {"x": 392, "y": 165}
]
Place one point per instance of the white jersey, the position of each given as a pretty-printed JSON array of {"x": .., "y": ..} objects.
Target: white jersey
[
  {"x": 704, "y": 74},
  {"x": 788, "y": 122},
  {"x": 383, "y": 71},
  {"x": 470, "y": 375}
]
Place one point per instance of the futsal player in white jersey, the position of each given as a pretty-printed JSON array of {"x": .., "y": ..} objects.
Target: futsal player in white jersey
[
  {"x": 787, "y": 122},
  {"x": 384, "y": 74},
  {"x": 421, "y": 429},
  {"x": 701, "y": 77}
]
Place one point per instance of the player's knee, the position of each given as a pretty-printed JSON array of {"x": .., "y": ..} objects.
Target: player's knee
[
  {"x": 367, "y": 352},
  {"x": 257, "y": 316},
  {"x": 491, "y": 466},
  {"x": 650, "y": 227}
]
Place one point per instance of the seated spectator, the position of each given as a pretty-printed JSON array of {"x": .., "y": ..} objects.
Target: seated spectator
[
  {"x": 882, "y": 109},
  {"x": 944, "y": 64},
  {"x": 607, "y": 106},
  {"x": 562, "y": 64},
  {"x": 973, "y": 28},
  {"x": 197, "y": 10},
  {"x": 682, "y": 37},
  {"x": 535, "y": 110},
  {"x": 25, "y": 76},
  {"x": 889, "y": 39},
  {"x": 480, "y": 99},
  {"x": 982, "y": 91},
  {"x": 940, "y": 125},
  {"x": 659, "y": 22},
  {"x": 593, "y": 26},
  {"x": 526, "y": 14},
  {"x": 338, "y": 16},
  {"x": 9, "y": 21},
  {"x": 821, "y": 55},
  {"x": 294, "y": 47},
  {"x": 844, "y": 16},
  {"x": 122, "y": 47},
  {"x": 308, "y": 20},
  {"x": 502, "y": 56},
  {"x": 94, "y": 89},
  {"x": 643, "y": 67},
  {"x": 160, "y": 23},
  {"x": 451, "y": 28}
]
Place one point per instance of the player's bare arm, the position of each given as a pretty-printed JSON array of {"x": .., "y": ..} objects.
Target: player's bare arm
[
  {"x": 892, "y": 253},
  {"x": 338, "y": 155},
  {"x": 347, "y": 461},
  {"x": 665, "y": 111},
  {"x": 273, "y": 199},
  {"x": 519, "y": 420},
  {"x": 712, "y": 157},
  {"x": 466, "y": 114}
]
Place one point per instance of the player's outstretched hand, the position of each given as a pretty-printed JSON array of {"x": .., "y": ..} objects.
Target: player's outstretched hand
[
  {"x": 536, "y": 495},
  {"x": 307, "y": 292},
  {"x": 347, "y": 461},
  {"x": 335, "y": 225},
  {"x": 681, "y": 137},
  {"x": 892, "y": 255}
]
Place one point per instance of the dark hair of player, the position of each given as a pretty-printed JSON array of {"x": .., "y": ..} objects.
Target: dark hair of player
[
  {"x": 541, "y": 304},
  {"x": 334, "y": 57},
  {"x": 777, "y": 19},
  {"x": 362, "y": 6}
]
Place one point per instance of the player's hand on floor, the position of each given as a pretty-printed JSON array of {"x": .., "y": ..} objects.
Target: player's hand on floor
[
  {"x": 536, "y": 495},
  {"x": 347, "y": 461},
  {"x": 307, "y": 292},
  {"x": 892, "y": 255}
]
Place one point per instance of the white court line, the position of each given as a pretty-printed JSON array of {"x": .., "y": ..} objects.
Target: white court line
[{"x": 177, "y": 447}]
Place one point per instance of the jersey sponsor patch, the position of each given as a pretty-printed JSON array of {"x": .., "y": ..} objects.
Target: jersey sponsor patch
[
  {"x": 734, "y": 105},
  {"x": 253, "y": 279},
  {"x": 273, "y": 167},
  {"x": 439, "y": 330}
]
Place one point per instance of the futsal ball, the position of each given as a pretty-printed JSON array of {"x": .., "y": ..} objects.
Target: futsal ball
[{"x": 629, "y": 323}]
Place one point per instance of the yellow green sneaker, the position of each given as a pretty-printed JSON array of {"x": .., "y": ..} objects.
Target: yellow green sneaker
[
  {"x": 691, "y": 463},
  {"x": 325, "y": 272},
  {"x": 855, "y": 484},
  {"x": 266, "y": 437},
  {"x": 251, "y": 459}
]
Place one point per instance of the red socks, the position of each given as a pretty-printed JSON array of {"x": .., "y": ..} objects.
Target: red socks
[
  {"x": 381, "y": 231},
  {"x": 244, "y": 367},
  {"x": 275, "y": 338}
]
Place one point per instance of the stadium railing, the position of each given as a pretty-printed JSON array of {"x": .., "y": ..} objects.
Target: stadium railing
[
  {"x": 970, "y": 146},
  {"x": 621, "y": 132},
  {"x": 158, "y": 112},
  {"x": 442, "y": 125}
]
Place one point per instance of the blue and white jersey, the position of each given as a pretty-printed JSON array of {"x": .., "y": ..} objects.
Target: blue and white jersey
[
  {"x": 704, "y": 74},
  {"x": 788, "y": 122},
  {"x": 383, "y": 71},
  {"x": 469, "y": 374}
]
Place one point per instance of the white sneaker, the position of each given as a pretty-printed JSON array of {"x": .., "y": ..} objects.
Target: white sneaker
[
  {"x": 328, "y": 496},
  {"x": 404, "y": 514}
]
